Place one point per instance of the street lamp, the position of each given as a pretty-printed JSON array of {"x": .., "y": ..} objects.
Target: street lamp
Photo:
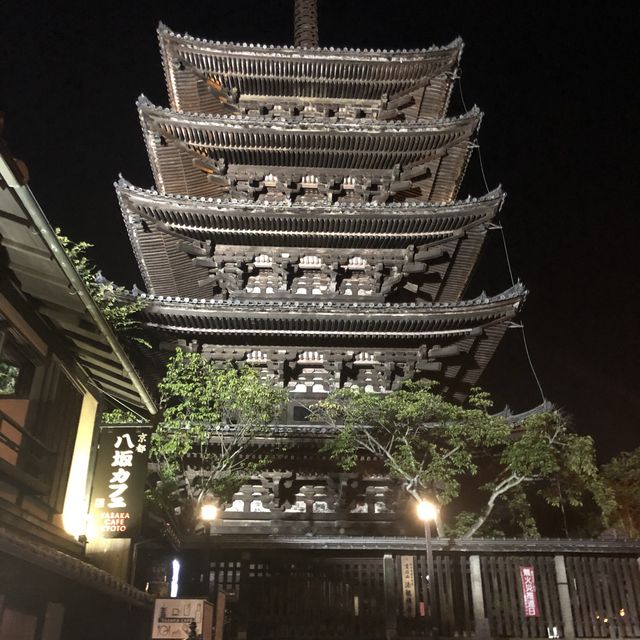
[
  {"x": 427, "y": 511},
  {"x": 208, "y": 512}
]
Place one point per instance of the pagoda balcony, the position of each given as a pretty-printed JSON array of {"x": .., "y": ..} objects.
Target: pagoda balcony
[
  {"x": 199, "y": 248},
  {"x": 212, "y": 77},
  {"x": 210, "y": 156}
]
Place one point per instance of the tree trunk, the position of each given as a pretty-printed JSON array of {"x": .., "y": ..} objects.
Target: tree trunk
[{"x": 504, "y": 486}]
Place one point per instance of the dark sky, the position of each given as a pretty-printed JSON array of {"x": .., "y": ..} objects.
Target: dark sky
[{"x": 558, "y": 82}]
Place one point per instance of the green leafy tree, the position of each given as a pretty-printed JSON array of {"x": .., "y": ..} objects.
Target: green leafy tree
[
  {"x": 204, "y": 443},
  {"x": 121, "y": 416},
  {"x": 622, "y": 475},
  {"x": 433, "y": 446},
  {"x": 8, "y": 378},
  {"x": 120, "y": 314}
]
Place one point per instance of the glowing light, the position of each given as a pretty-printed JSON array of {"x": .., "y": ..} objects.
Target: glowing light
[
  {"x": 76, "y": 520},
  {"x": 76, "y": 507},
  {"x": 621, "y": 613},
  {"x": 208, "y": 512},
  {"x": 175, "y": 572},
  {"x": 427, "y": 511}
]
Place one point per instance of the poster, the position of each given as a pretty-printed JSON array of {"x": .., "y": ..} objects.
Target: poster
[
  {"x": 529, "y": 594},
  {"x": 172, "y": 617},
  {"x": 118, "y": 482}
]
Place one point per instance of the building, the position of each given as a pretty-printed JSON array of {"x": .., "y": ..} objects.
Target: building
[
  {"x": 305, "y": 222},
  {"x": 59, "y": 360}
]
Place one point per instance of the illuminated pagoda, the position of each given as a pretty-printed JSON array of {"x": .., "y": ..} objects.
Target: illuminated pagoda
[{"x": 305, "y": 222}]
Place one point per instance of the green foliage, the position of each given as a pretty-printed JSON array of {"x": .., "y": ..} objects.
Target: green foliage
[
  {"x": 622, "y": 478},
  {"x": 8, "y": 378},
  {"x": 433, "y": 446},
  {"x": 215, "y": 414},
  {"x": 118, "y": 416},
  {"x": 109, "y": 298}
]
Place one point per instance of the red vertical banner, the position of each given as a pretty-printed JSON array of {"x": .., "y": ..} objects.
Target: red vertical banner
[{"x": 529, "y": 593}]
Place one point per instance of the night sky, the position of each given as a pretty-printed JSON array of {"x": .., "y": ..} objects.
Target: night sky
[{"x": 557, "y": 81}]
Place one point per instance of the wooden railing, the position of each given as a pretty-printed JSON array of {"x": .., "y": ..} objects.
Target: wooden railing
[{"x": 34, "y": 459}]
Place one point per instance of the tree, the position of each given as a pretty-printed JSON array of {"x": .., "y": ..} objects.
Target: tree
[
  {"x": 121, "y": 416},
  {"x": 204, "y": 443},
  {"x": 622, "y": 476},
  {"x": 433, "y": 447},
  {"x": 120, "y": 314}
]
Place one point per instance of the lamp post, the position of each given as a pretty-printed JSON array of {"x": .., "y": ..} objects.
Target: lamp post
[
  {"x": 427, "y": 511},
  {"x": 208, "y": 513}
]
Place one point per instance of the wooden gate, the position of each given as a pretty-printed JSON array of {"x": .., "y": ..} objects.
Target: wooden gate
[{"x": 305, "y": 598}]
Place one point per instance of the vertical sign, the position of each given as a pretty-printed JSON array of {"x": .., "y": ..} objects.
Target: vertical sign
[
  {"x": 407, "y": 573},
  {"x": 118, "y": 481},
  {"x": 529, "y": 595}
]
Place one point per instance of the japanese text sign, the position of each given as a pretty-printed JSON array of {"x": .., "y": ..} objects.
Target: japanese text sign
[
  {"x": 529, "y": 594},
  {"x": 408, "y": 586},
  {"x": 118, "y": 481}
]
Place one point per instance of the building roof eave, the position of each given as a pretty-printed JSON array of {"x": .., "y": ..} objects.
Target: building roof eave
[
  {"x": 67, "y": 566},
  {"x": 35, "y": 255}
]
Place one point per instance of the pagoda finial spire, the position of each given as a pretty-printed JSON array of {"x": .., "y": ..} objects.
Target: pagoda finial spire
[{"x": 305, "y": 27}]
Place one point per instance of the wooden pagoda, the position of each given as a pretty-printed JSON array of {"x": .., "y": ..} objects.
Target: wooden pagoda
[{"x": 305, "y": 222}]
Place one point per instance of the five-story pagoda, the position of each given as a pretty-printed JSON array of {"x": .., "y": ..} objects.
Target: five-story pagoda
[{"x": 305, "y": 223}]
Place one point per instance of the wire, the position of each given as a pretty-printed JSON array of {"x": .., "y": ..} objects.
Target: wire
[
  {"x": 506, "y": 251},
  {"x": 506, "y": 255},
  {"x": 484, "y": 177},
  {"x": 533, "y": 369},
  {"x": 464, "y": 104},
  {"x": 477, "y": 142}
]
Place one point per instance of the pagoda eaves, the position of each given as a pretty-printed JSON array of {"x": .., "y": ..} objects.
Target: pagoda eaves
[
  {"x": 179, "y": 241},
  {"x": 325, "y": 345},
  {"x": 199, "y": 155},
  {"x": 214, "y": 77}
]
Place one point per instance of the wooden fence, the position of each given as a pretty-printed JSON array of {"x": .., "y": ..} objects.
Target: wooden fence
[{"x": 312, "y": 596}]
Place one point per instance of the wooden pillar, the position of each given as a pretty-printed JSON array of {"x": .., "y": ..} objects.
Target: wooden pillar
[
  {"x": 243, "y": 599},
  {"x": 390, "y": 597},
  {"x": 480, "y": 621},
  {"x": 220, "y": 606},
  {"x": 565, "y": 600},
  {"x": 53, "y": 618}
]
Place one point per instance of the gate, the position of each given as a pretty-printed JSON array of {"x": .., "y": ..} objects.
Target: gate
[{"x": 305, "y": 598}]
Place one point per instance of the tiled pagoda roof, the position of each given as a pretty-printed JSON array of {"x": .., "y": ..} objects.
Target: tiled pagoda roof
[
  {"x": 159, "y": 225},
  {"x": 409, "y": 321},
  {"x": 201, "y": 75},
  {"x": 451, "y": 343},
  {"x": 184, "y": 149}
]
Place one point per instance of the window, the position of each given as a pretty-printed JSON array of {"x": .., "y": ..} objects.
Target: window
[
  {"x": 9, "y": 375},
  {"x": 301, "y": 414},
  {"x": 16, "y": 367}
]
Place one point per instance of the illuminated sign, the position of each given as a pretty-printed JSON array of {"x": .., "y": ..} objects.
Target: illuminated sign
[
  {"x": 118, "y": 481},
  {"x": 529, "y": 594}
]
